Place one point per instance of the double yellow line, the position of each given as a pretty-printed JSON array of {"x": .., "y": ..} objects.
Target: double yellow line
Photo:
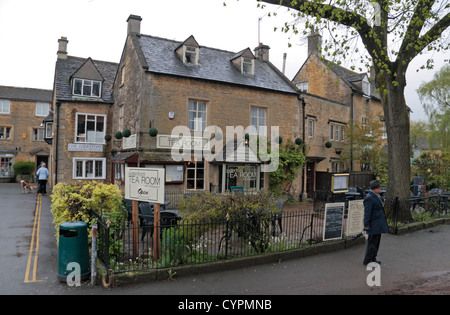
[{"x": 34, "y": 246}]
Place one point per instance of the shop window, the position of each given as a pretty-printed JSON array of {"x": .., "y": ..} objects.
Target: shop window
[{"x": 195, "y": 178}]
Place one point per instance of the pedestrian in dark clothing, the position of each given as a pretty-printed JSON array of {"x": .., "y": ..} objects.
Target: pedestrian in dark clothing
[{"x": 374, "y": 222}]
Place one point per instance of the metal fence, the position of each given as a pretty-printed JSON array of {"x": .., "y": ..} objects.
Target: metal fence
[
  {"x": 421, "y": 208},
  {"x": 131, "y": 248},
  {"x": 184, "y": 243}
]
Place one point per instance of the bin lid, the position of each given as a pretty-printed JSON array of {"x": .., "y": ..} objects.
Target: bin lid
[{"x": 73, "y": 225}]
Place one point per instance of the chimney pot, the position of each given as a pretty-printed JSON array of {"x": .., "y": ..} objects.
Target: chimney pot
[
  {"x": 62, "y": 48},
  {"x": 262, "y": 52},
  {"x": 134, "y": 24}
]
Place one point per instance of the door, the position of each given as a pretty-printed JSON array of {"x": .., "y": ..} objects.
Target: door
[{"x": 310, "y": 177}]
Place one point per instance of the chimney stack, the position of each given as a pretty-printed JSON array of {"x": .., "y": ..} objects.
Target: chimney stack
[
  {"x": 314, "y": 42},
  {"x": 262, "y": 52},
  {"x": 62, "y": 49},
  {"x": 134, "y": 24}
]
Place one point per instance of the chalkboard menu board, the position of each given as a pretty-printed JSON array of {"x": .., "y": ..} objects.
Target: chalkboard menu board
[{"x": 334, "y": 219}]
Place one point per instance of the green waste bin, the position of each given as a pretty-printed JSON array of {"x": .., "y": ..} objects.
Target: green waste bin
[{"x": 73, "y": 251}]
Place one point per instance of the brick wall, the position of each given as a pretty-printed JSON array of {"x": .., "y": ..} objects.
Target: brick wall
[{"x": 22, "y": 119}]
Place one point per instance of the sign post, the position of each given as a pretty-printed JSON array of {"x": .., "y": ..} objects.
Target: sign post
[{"x": 147, "y": 185}]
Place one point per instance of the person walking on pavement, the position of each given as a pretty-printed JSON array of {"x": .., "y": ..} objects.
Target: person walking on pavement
[
  {"x": 42, "y": 175},
  {"x": 375, "y": 222}
]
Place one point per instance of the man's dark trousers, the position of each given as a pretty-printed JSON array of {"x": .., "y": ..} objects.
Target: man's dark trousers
[
  {"x": 373, "y": 244},
  {"x": 42, "y": 186}
]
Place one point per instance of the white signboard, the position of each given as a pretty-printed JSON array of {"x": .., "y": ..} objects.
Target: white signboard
[
  {"x": 188, "y": 143},
  {"x": 355, "y": 217},
  {"x": 144, "y": 184},
  {"x": 85, "y": 147},
  {"x": 130, "y": 142}
]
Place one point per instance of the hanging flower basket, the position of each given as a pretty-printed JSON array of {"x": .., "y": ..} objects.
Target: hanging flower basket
[
  {"x": 298, "y": 141},
  {"x": 108, "y": 137},
  {"x": 328, "y": 144},
  {"x": 118, "y": 135},
  {"x": 153, "y": 132},
  {"x": 126, "y": 133}
]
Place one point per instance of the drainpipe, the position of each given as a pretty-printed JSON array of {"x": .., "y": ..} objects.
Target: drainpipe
[
  {"x": 303, "y": 149},
  {"x": 351, "y": 141},
  {"x": 58, "y": 106}
]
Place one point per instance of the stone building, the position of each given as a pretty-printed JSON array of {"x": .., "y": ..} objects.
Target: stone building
[
  {"x": 333, "y": 97},
  {"x": 22, "y": 111},
  {"x": 162, "y": 84},
  {"x": 82, "y": 116}
]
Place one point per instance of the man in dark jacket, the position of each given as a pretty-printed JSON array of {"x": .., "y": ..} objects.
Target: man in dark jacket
[{"x": 374, "y": 222}]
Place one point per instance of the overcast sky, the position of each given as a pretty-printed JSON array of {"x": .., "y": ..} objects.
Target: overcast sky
[{"x": 30, "y": 29}]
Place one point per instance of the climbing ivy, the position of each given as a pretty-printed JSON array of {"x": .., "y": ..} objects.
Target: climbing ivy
[{"x": 291, "y": 159}]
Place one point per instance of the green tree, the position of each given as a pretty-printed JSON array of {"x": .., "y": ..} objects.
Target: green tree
[
  {"x": 435, "y": 97},
  {"x": 393, "y": 32},
  {"x": 364, "y": 143}
]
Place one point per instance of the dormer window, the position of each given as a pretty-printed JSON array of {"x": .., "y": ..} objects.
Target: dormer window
[
  {"x": 366, "y": 87},
  {"x": 190, "y": 55},
  {"x": 88, "y": 88},
  {"x": 188, "y": 51},
  {"x": 247, "y": 65},
  {"x": 244, "y": 61}
]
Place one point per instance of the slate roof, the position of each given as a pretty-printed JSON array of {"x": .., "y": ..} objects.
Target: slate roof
[
  {"x": 349, "y": 76},
  {"x": 158, "y": 56},
  {"x": 25, "y": 94},
  {"x": 65, "y": 68}
]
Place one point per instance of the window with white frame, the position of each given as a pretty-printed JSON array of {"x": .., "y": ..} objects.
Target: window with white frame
[
  {"x": 366, "y": 86},
  {"x": 90, "y": 128},
  {"x": 38, "y": 134},
  {"x": 89, "y": 168},
  {"x": 190, "y": 55},
  {"x": 195, "y": 178},
  {"x": 258, "y": 120},
  {"x": 197, "y": 115},
  {"x": 247, "y": 66},
  {"x": 42, "y": 109},
  {"x": 89, "y": 88},
  {"x": 303, "y": 86},
  {"x": 5, "y": 132},
  {"x": 6, "y": 164},
  {"x": 4, "y": 106}
]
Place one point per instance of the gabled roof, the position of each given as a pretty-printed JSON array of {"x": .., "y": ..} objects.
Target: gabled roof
[
  {"x": 247, "y": 53},
  {"x": 25, "y": 94},
  {"x": 66, "y": 68},
  {"x": 349, "y": 77},
  {"x": 88, "y": 70},
  {"x": 190, "y": 41},
  {"x": 158, "y": 55}
]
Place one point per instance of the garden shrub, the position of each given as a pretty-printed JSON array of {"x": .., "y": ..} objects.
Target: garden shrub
[
  {"x": 73, "y": 202},
  {"x": 23, "y": 168},
  {"x": 249, "y": 215}
]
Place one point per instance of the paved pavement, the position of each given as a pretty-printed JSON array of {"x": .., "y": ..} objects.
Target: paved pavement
[{"x": 415, "y": 263}]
